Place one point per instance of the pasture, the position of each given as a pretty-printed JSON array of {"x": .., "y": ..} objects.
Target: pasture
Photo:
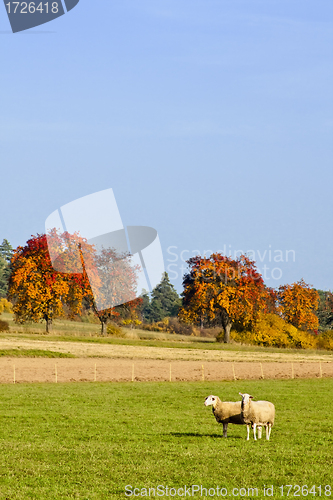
[{"x": 90, "y": 440}]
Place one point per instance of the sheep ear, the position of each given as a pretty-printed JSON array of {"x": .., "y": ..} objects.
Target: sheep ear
[
  {"x": 240, "y": 394},
  {"x": 251, "y": 397}
]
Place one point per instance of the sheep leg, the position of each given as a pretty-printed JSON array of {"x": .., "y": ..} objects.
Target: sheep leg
[
  {"x": 268, "y": 431},
  {"x": 225, "y": 430},
  {"x": 248, "y": 432},
  {"x": 259, "y": 431},
  {"x": 254, "y": 432}
]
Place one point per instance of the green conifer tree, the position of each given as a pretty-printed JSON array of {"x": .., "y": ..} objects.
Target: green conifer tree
[
  {"x": 6, "y": 252},
  {"x": 144, "y": 308},
  {"x": 325, "y": 309},
  {"x": 165, "y": 300}
]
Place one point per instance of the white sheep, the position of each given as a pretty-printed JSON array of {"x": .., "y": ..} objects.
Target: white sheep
[
  {"x": 257, "y": 414},
  {"x": 225, "y": 412}
]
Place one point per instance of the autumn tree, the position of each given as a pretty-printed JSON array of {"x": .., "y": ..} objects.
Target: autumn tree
[
  {"x": 37, "y": 290},
  {"x": 221, "y": 290},
  {"x": 113, "y": 280},
  {"x": 298, "y": 303}
]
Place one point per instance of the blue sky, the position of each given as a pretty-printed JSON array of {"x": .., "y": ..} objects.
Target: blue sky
[{"x": 211, "y": 120}]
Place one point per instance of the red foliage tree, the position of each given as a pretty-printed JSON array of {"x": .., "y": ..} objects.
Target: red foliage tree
[{"x": 113, "y": 280}]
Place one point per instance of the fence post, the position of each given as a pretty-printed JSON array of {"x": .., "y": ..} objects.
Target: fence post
[
  {"x": 262, "y": 371},
  {"x": 233, "y": 370}
]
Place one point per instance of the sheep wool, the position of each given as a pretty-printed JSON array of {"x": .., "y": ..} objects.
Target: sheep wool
[
  {"x": 257, "y": 414},
  {"x": 225, "y": 412}
]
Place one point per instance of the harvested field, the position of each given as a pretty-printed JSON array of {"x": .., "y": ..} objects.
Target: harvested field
[
  {"x": 105, "y": 362},
  {"x": 116, "y": 370}
]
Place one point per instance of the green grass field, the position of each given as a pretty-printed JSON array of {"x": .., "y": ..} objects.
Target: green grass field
[{"x": 88, "y": 441}]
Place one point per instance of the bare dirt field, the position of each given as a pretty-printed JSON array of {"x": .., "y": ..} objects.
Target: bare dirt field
[
  {"x": 102, "y": 362},
  {"x": 108, "y": 369}
]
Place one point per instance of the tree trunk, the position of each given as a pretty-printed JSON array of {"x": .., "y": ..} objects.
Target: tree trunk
[
  {"x": 226, "y": 325},
  {"x": 103, "y": 331},
  {"x": 227, "y": 329},
  {"x": 48, "y": 325}
]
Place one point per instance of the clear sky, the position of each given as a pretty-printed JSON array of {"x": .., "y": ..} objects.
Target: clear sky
[{"x": 211, "y": 120}]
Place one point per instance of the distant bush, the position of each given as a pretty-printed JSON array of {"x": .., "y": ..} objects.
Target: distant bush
[
  {"x": 171, "y": 325},
  {"x": 5, "y": 306},
  {"x": 325, "y": 340},
  {"x": 89, "y": 317},
  {"x": 175, "y": 326},
  {"x": 131, "y": 322},
  {"x": 272, "y": 331},
  {"x": 213, "y": 332},
  {"x": 4, "y": 326},
  {"x": 114, "y": 330},
  {"x": 154, "y": 327}
]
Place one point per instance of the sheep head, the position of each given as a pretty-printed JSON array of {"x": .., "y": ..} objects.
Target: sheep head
[
  {"x": 245, "y": 398},
  {"x": 211, "y": 401}
]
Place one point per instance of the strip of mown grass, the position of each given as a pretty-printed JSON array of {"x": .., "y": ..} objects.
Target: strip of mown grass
[
  {"x": 69, "y": 331},
  {"x": 165, "y": 344},
  {"x": 88, "y": 441},
  {"x": 34, "y": 353}
]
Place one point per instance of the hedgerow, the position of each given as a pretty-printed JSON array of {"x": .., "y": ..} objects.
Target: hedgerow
[{"x": 272, "y": 331}]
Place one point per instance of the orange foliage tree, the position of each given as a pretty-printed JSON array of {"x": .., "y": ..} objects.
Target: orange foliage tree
[
  {"x": 222, "y": 290},
  {"x": 37, "y": 291},
  {"x": 113, "y": 279},
  {"x": 298, "y": 303}
]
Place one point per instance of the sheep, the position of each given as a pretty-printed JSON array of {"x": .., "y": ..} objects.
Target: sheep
[
  {"x": 225, "y": 412},
  {"x": 257, "y": 414}
]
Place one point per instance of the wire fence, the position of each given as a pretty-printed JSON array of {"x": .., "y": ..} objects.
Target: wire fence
[{"x": 22, "y": 370}]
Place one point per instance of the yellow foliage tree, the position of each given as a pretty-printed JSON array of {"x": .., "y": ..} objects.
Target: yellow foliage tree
[
  {"x": 298, "y": 303},
  {"x": 37, "y": 291},
  {"x": 223, "y": 290}
]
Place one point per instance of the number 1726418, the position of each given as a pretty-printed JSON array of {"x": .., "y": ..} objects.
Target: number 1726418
[
  {"x": 303, "y": 491},
  {"x": 32, "y": 7}
]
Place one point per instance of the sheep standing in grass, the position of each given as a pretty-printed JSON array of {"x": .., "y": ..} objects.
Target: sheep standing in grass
[
  {"x": 225, "y": 412},
  {"x": 257, "y": 414}
]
